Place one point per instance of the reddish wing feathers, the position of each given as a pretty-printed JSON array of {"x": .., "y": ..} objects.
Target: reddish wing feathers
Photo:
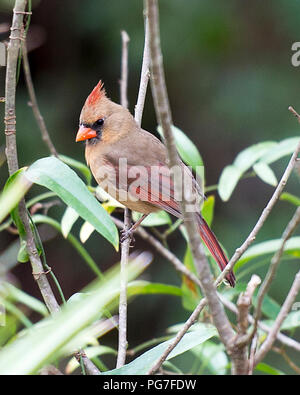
[
  {"x": 160, "y": 196},
  {"x": 214, "y": 247}
]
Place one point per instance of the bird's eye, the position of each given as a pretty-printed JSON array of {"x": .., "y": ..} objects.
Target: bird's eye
[{"x": 100, "y": 122}]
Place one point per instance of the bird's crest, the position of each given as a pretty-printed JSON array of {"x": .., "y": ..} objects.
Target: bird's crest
[{"x": 97, "y": 94}]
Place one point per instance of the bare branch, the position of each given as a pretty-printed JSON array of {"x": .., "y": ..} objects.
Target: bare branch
[
  {"x": 192, "y": 319},
  {"x": 289, "y": 230},
  {"x": 10, "y": 85},
  {"x": 286, "y": 307},
  {"x": 164, "y": 117},
  {"x": 288, "y": 360},
  {"x": 11, "y": 152},
  {"x": 124, "y": 69},
  {"x": 122, "y": 347},
  {"x": 179, "y": 266},
  {"x": 33, "y": 102},
  {"x": 50, "y": 370},
  {"x": 127, "y": 215},
  {"x": 11, "y": 149},
  {"x": 145, "y": 73},
  {"x": 243, "y": 304},
  {"x": 264, "y": 215},
  {"x": 287, "y": 341},
  {"x": 252, "y": 352},
  {"x": 89, "y": 366}
]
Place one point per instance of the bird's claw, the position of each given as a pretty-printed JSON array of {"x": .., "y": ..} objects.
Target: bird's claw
[{"x": 127, "y": 234}]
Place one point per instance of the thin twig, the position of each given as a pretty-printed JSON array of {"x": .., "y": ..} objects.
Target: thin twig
[
  {"x": 33, "y": 101},
  {"x": 145, "y": 73},
  {"x": 252, "y": 354},
  {"x": 11, "y": 152},
  {"x": 11, "y": 149},
  {"x": 264, "y": 215},
  {"x": 287, "y": 359},
  {"x": 289, "y": 230},
  {"x": 124, "y": 69},
  {"x": 286, "y": 307},
  {"x": 243, "y": 304},
  {"x": 10, "y": 86},
  {"x": 179, "y": 266},
  {"x": 127, "y": 214},
  {"x": 125, "y": 245},
  {"x": 50, "y": 370},
  {"x": 192, "y": 319},
  {"x": 88, "y": 365},
  {"x": 287, "y": 341},
  {"x": 164, "y": 117}
]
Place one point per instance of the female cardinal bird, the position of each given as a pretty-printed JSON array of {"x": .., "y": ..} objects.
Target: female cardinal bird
[{"x": 131, "y": 165}]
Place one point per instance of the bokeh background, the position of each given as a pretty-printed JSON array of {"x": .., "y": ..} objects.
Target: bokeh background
[{"x": 230, "y": 81}]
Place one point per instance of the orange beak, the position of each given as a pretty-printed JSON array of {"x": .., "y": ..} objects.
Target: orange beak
[{"x": 85, "y": 133}]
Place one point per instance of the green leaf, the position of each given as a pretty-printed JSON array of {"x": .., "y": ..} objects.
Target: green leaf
[
  {"x": 292, "y": 247},
  {"x": 292, "y": 320},
  {"x": 231, "y": 293},
  {"x": 190, "y": 291},
  {"x": 89, "y": 335},
  {"x": 143, "y": 363},
  {"x": 269, "y": 307},
  {"x": 15, "y": 216},
  {"x": 9, "y": 329},
  {"x": 16, "y": 187},
  {"x": 85, "y": 171},
  {"x": 2, "y": 147},
  {"x": 68, "y": 220},
  {"x": 229, "y": 178},
  {"x": 104, "y": 197},
  {"x": 22, "y": 253},
  {"x": 290, "y": 198},
  {"x": 231, "y": 174},
  {"x": 8, "y": 258},
  {"x": 140, "y": 287},
  {"x": 153, "y": 219},
  {"x": 265, "y": 173},
  {"x": 265, "y": 368},
  {"x": 283, "y": 148},
  {"x": 188, "y": 151},
  {"x": 43, "y": 342},
  {"x": 171, "y": 367},
  {"x": 212, "y": 356},
  {"x": 85, "y": 231},
  {"x": 91, "y": 352},
  {"x": 208, "y": 209},
  {"x": 59, "y": 178},
  {"x": 250, "y": 155},
  {"x": 15, "y": 212},
  {"x": 196, "y": 327},
  {"x": 38, "y": 218},
  {"x": 20, "y": 296}
]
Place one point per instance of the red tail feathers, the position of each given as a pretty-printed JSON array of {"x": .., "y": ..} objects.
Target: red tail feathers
[{"x": 214, "y": 247}]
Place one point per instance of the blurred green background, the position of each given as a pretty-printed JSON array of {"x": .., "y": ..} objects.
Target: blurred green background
[{"x": 230, "y": 82}]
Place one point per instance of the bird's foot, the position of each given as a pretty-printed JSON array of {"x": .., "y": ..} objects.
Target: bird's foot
[{"x": 127, "y": 234}]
